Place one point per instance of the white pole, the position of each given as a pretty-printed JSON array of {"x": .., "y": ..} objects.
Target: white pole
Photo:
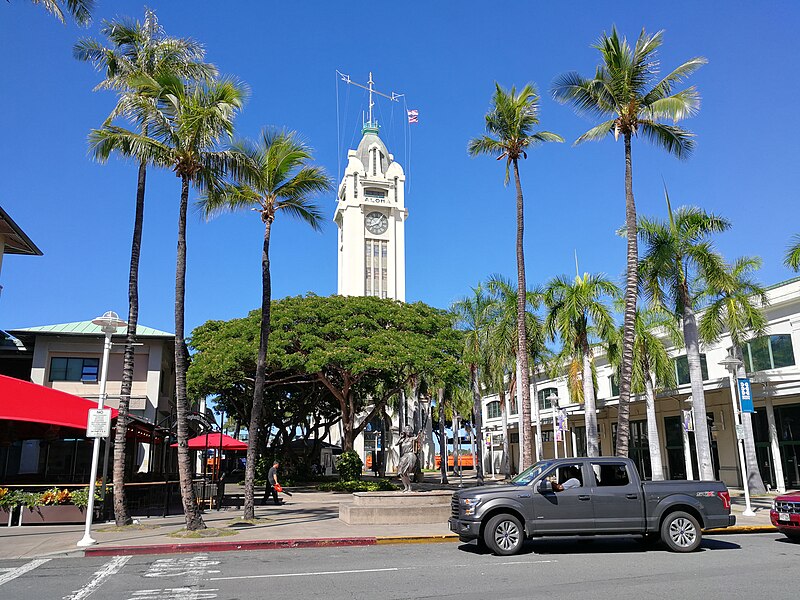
[
  {"x": 774, "y": 445},
  {"x": 555, "y": 431},
  {"x": 564, "y": 434},
  {"x": 687, "y": 448},
  {"x": 737, "y": 420},
  {"x": 87, "y": 540},
  {"x": 491, "y": 452}
]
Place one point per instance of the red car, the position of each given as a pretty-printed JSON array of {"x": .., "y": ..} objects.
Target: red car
[{"x": 785, "y": 515}]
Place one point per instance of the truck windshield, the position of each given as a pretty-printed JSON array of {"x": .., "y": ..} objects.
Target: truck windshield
[{"x": 531, "y": 473}]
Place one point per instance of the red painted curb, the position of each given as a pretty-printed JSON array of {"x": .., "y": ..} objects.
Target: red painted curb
[{"x": 227, "y": 546}]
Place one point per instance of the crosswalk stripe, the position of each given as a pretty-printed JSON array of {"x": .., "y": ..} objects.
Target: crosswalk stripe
[
  {"x": 106, "y": 571},
  {"x": 12, "y": 574}
]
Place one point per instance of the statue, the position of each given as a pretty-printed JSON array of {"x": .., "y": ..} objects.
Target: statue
[{"x": 409, "y": 446}]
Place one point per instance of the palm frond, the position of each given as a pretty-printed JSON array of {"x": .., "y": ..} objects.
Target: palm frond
[
  {"x": 673, "y": 139},
  {"x": 792, "y": 259}
]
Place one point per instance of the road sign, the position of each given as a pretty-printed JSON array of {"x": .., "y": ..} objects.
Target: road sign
[
  {"x": 746, "y": 395},
  {"x": 98, "y": 425}
]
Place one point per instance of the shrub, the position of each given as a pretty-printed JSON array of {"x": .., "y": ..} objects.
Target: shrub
[
  {"x": 29, "y": 500},
  {"x": 54, "y": 496},
  {"x": 80, "y": 498},
  {"x": 381, "y": 485},
  {"x": 349, "y": 466},
  {"x": 8, "y": 498}
]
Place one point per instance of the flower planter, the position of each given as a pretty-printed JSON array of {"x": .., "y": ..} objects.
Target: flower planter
[
  {"x": 6, "y": 515},
  {"x": 61, "y": 513}
]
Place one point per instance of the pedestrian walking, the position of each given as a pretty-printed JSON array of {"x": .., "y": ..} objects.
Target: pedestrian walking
[{"x": 272, "y": 484}]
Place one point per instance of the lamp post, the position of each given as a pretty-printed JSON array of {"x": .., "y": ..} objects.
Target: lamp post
[
  {"x": 108, "y": 323},
  {"x": 731, "y": 364},
  {"x": 553, "y": 399}
]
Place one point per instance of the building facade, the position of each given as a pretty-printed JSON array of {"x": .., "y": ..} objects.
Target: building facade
[{"x": 771, "y": 362}]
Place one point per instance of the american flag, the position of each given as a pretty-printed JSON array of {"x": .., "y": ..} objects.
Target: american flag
[{"x": 413, "y": 116}]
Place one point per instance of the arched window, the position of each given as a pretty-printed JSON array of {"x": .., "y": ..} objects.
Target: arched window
[
  {"x": 355, "y": 185},
  {"x": 544, "y": 403},
  {"x": 493, "y": 410}
]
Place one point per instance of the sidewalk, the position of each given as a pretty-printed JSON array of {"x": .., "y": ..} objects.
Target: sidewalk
[{"x": 309, "y": 518}]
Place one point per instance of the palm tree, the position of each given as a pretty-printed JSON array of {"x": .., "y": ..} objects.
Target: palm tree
[
  {"x": 736, "y": 304},
  {"x": 184, "y": 131},
  {"x": 792, "y": 259},
  {"x": 80, "y": 10},
  {"x": 578, "y": 315},
  {"x": 626, "y": 89},
  {"x": 472, "y": 316},
  {"x": 136, "y": 49},
  {"x": 510, "y": 132},
  {"x": 505, "y": 337},
  {"x": 678, "y": 260},
  {"x": 278, "y": 179},
  {"x": 653, "y": 369}
]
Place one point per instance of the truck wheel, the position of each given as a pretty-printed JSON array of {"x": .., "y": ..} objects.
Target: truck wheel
[
  {"x": 504, "y": 535},
  {"x": 680, "y": 531}
]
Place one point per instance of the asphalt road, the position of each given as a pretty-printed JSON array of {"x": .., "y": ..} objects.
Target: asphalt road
[{"x": 728, "y": 567}]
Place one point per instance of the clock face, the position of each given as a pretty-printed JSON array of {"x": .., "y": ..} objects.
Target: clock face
[{"x": 376, "y": 223}]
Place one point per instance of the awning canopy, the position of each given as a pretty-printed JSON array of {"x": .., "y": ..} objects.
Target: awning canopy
[
  {"x": 212, "y": 440},
  {"x": 33, "y": 403}
]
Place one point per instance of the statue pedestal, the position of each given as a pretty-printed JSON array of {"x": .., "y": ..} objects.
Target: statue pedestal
[{"x": 396, "y": 508}]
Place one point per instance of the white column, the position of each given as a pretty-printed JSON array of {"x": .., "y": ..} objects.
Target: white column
[
  {"x": 687, "y": 450},
  {"x": 775, "y": 450}
]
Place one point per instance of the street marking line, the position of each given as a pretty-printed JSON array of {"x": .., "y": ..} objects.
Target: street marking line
[
  {"x": 12, "y": 574},
  {"x": 107, "y": 570},
  {"x": 309, "y": 574},
  {"x": 528, "y": 562}
]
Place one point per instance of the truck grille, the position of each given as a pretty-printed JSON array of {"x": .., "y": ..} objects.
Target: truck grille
[
  {"x": 787, "y": 507},
  {"x": 454, "y": 507}
]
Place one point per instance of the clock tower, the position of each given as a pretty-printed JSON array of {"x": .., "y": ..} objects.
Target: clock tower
[{"x": 370, "y": 216}]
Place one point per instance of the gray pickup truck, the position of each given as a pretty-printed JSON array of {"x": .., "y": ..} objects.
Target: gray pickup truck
[{"x": 589, "y": 496}]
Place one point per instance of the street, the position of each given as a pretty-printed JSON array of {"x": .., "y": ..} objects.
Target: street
[{"x": 733, "y": 566}]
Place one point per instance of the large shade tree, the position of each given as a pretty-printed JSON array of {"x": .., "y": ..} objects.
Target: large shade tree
[
  {"x": 510, "y": 131},
  {"x": 734, "y": 304},
  {"x": 628, "y": 91},
  {"x": 185, "y": 130},
  {"x": 276, "y": 178},
  {"x": 679, "y": 260},
  {"x": 135, "y": 49},
  {"x": 578, "y": 315}
]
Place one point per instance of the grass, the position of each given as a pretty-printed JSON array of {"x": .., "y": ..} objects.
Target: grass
[
  {"x": 131, "y": 527},
  {"x": 256, "y": 521},
  {"x": 209, "y": 532}
]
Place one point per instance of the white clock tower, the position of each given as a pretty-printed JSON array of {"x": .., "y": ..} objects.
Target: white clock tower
[{"x": 371, "y": 216}]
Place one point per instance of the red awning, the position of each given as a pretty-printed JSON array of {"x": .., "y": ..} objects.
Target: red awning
[
  {"x": 25, "y": 401},
  {"x": 213, "y": 440}
]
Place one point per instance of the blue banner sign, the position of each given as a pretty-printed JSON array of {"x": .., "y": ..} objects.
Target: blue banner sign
[{"x": 746, "y": 396}]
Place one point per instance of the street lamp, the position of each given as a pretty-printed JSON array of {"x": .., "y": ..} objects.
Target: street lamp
[
  {"x": 553, "y": 399},
  {"x": 108, "y": 323},
  {"x": 732, "y": 364}
]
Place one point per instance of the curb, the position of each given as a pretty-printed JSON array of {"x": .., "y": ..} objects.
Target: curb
[
  {"x": 329, "y": 542},
  {"x": 227, "y": 546}
]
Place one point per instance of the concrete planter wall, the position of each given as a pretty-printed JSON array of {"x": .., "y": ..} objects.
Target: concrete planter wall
[{"x": 61, "y": 513}]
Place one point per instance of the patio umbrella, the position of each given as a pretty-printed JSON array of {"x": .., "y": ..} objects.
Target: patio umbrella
[{"x": 215, "y": 440}]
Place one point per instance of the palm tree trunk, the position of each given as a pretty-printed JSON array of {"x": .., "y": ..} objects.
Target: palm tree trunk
[
  {"x": 190, "y": 509},
  {"x": 477, "y": 422},
  {"x": 442, "y": 438},
  {"x": 705, "y": 467},
  {"x": 755, "y": 482},
  {"x": 656, "y": 464},
  {"x": 592, "y": 442},
  {"x": 256, "y": 414},
  {"x": 121, "y": 514},
  {"x": 526, "y": 454},
  {"x": 629, "y": 315},
  {"x": 504, "y": 462}
]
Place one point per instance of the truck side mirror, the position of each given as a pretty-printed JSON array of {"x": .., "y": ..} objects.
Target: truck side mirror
[{"x": 544, "y": 486}]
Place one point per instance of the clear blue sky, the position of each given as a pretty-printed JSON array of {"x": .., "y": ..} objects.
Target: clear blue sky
[{"x": 445, "y": 57}]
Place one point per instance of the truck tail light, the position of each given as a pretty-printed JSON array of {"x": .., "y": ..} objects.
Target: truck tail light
[{"x": 726, "y": 499}]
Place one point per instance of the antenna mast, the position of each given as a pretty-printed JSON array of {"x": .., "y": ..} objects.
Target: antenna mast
[{"x": 370, "y": 87}]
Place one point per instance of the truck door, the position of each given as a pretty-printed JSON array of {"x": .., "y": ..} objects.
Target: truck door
[
  {"x": 567, "y": 511},
  {"x": 617, "y": 497}
]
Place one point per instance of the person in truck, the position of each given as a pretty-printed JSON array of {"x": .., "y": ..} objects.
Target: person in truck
[{"x": 570, "y": 478}]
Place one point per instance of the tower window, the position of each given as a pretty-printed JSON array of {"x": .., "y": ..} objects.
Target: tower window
[
  {"x": 374, "y": 162},
  {"x": 376, "y": 268},
  {"x": 355, "y": 185},
  {"x": 395, "y": 190}
]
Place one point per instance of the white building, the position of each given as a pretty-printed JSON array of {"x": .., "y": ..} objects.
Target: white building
[
  {"x": 371, "y": 216},
  {"x": 771, "y": 364}
]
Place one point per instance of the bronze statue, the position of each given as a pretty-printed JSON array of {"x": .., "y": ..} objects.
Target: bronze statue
[{"x": 409, "y": 446}]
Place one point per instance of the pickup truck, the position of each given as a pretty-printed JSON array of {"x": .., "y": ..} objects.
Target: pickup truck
[{"x": 589, "y": 496}]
